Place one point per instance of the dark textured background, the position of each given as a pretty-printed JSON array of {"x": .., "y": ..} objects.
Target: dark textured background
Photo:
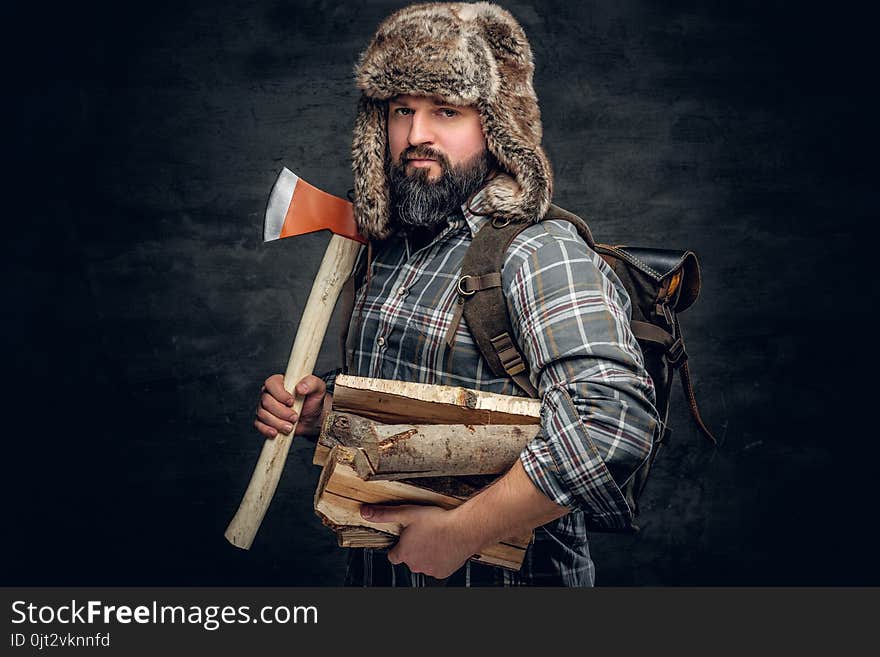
[{"x": 142, "y": 310}]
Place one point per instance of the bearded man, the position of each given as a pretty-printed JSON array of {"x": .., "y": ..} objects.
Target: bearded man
[{"x": 447, "y": 139}]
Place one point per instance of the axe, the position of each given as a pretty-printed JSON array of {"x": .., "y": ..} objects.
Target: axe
[{"x": 296, "y": 208}]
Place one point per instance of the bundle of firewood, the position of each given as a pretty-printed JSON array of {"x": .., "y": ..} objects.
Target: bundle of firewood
[{"x": 390, "y": 442}]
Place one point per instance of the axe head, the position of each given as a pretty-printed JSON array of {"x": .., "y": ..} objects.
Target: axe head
[{"x": 296, "y": 207}]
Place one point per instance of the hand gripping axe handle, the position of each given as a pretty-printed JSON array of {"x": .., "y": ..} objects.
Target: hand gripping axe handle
[{"x": 296, "y": 208}]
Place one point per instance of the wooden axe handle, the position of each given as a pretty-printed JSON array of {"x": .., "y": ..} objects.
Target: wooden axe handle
[{"x": 335, "y": 269}]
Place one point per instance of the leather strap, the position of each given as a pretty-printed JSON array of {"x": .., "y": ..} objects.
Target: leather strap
[
  {"x": 523, "y": 382},
  {"x": 454, "y": 322},
  {"x": 688, "y": 388},
  {"x": 484, "y": 306},
  {"x": 346, "y": 308},
  {"x": 653, "y": 334},
  {"x": 470, "y": 284},
  {"x": 676, "y": 355},
  {"x": 672, "y": 345}
]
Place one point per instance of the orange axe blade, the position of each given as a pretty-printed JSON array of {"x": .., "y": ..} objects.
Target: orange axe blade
[{"x": 295, "y": 208}]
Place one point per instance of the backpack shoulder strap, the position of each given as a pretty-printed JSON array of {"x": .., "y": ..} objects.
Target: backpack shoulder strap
[
  {"x": 488, "y": 317},
  {"x": 346, "y": 305},
  {"x": 486, "y": 313},
  {"x": 555, "y": 212}
]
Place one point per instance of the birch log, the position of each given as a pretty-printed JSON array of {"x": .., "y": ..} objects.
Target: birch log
[
  {"x": 399, "y": 402},
  {"x": 403, "y": 451}
]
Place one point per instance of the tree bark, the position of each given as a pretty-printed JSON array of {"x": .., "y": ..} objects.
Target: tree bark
[
  {"x": 403, "y": 451},
  {"x": 398, "y": 402}
]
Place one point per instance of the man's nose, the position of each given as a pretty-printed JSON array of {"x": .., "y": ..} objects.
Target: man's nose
[{"x": 420, "y": 131}]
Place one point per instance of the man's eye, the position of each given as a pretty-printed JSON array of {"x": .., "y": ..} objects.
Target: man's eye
[
  {"x": 402, "y": 111},
  {"x": 448, "y": 113}
]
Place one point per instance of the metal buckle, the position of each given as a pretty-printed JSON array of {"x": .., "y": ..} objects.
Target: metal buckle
[
  {"x": 662, "y": 310},
  {"x": 676, "y": 355},
  {"x": 498, "y": 224},
  {"x": 462, "y": 292}
]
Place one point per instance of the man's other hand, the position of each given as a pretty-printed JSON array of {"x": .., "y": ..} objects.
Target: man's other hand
[
  {"x": 432, "y": 541},
  {"x": 275, "y": 412}
]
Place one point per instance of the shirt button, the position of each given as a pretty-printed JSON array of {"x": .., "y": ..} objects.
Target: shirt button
[
  {"x": 401, "y": 291},
  {"x": 380, "y": 341}
]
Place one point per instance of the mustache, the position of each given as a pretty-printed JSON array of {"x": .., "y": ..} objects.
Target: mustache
[
  {"x": 419, "y": 202},
  {"x": 424, "y": 153}
]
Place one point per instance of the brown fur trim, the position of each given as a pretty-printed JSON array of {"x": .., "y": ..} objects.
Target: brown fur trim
[{"x": 469, "y": 54}]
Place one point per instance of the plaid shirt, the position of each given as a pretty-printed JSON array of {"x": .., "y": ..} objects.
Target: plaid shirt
[{"x": 571, "y": 319}]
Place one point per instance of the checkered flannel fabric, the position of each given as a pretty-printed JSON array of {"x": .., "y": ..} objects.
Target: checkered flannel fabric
[{"x": 571, "y": 319}]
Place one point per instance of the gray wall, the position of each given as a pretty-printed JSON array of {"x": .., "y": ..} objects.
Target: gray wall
[{"x": 143, "y": 311}]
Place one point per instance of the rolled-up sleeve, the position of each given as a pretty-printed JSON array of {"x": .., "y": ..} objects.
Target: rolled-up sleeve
[{"x": 571, "y": 319}]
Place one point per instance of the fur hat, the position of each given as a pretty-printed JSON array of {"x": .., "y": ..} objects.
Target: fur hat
[{"x": 468, "y": 54}]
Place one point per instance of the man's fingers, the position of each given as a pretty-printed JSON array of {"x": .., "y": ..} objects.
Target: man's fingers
[
  {"x": 379, "y": 513},
  {"x": 275, "y": 387},
  {"x": 270, "y": 420},
  {"x": 311, "y": 384},
  {"x": 394, "y": 555},
  {"x": 267, "y": 431},
  {"x": 274, "y": 413},
  {"x": 276, "y": 408}
]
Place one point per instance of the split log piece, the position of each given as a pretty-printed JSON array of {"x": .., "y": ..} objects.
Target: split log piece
[{"x": 341, "y": 492}]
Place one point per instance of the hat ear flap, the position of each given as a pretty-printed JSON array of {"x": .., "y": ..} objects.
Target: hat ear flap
[
  {"x": 526, "y": 193},
  {"x": 371, "y": 189},
  {"x": 512, "y": 120}
]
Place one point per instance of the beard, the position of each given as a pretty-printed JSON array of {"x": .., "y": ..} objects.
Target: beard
[{"x": 418, "y": 203}]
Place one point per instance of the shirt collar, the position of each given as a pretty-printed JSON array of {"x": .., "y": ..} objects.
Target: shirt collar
[{"x": 470, "y": 210}]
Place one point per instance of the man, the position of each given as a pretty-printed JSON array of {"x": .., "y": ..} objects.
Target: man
[{"x": 447, "y": 139}]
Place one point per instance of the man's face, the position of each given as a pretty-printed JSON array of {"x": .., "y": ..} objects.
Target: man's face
[
  {"x": 438, "y": 159},
  {"x": 422, "y": 130}
]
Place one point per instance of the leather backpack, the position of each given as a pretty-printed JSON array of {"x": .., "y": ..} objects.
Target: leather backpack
[{"x": 661, "y": 283}]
